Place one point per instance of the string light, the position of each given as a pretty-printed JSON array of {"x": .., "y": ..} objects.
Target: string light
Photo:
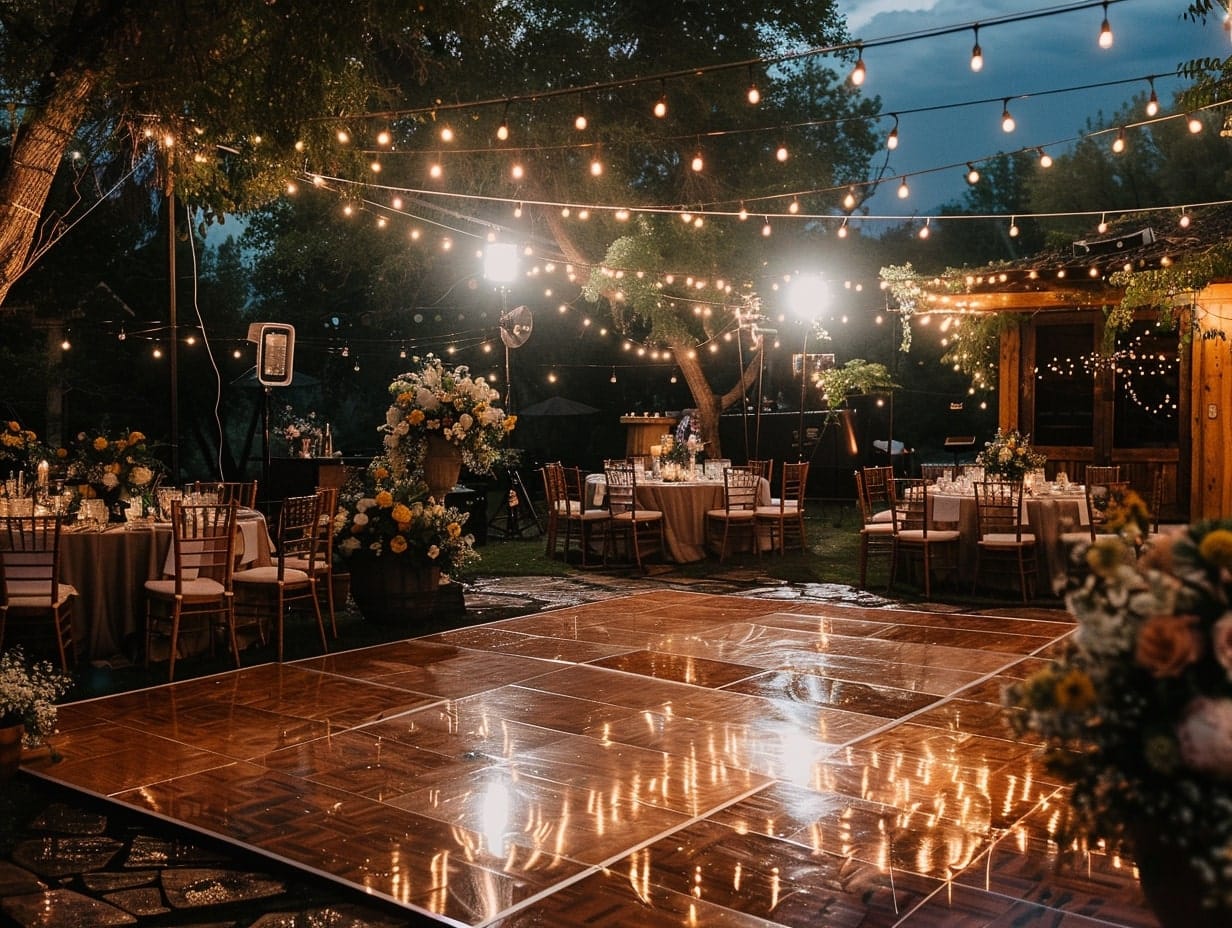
[
  {"x": 842, "y": 229},
  {"x": 858, "y": 73},
  {"x": 903, "y": 190},
  {"x": 580, "y": 122},
  {"x": 1103, "y": 224},
  {"x": 753, "y": 95},
  {"x": 781, "y": 154},
  {"x": 698, "y": 163},
  {"x": 596, "y": 166},
  {"x": 1013, "y": 227},
  {"x": 977, "y": 53},
  {"x": 1007, "y": 121},
  {"x": 973, "y": 176},
  {"x": 1194, "y": 123},
  {"x": 849, "y": 201},
  {"x": 1184, "y": 222},
  {"x": 383, "y": 137},
  {"x": 447, "y": 134},
  {"x": 1152, "y": 103},
  {"x": 660, "y": 107},
  {"x": 892, "y": 138},
  {"x": 502, "y": 131},
  {"x": 1105, "y": 30},
  {"x": 1045, "y": 159},
  {"x": 924, "y": 232},
  {"x": 612, "y": 379},
  {"x": 766, "y": 231},
  {"x": 1118, "y": 144},
  {"x": 744, "y": 213}
]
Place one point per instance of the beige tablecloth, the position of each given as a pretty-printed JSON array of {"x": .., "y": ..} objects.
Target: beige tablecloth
[
  {"x": 109, "y": 570},
  {"x": 1048, "y": 515},
  {"x": 684, "y": 507}
]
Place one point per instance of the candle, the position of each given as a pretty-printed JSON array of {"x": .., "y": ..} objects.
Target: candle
[
  {"x": 43, "y": 470},
  {"x": 656, "y": 450}
]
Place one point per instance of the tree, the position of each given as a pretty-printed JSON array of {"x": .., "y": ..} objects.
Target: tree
[{"x": 217, "y": 102}]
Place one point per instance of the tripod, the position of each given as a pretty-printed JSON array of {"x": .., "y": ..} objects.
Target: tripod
[{"x": 515, "y": 517}]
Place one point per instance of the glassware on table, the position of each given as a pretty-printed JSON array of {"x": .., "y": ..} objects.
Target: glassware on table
[{"x": 165, "y": 497}]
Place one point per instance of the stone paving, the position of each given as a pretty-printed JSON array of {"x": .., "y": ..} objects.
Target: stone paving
[{"x": 68, "y": 860}]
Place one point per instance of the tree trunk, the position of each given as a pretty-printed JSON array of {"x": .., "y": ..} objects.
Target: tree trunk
[
  {"x": 710, "y": 404},
  {"x": 37, "y": 153}
]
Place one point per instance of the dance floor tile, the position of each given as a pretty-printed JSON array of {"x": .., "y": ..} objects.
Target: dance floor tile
[{"x": 665, "y": 758}]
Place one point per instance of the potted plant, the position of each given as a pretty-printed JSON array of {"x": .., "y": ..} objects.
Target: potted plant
[
  {"x": 28, "y": 691},
  {"x": 1136, "y": 713}
]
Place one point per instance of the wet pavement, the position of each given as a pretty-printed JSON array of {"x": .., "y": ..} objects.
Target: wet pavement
[{"x": 71, "y": 860}]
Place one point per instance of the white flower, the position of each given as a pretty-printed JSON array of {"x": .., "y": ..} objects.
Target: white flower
[
  {"x": 1205, "y": 736},
  {"x": 361, "y": 519},
  {"x": 348, "y": 545},
  {"x": 465, "y": 421},
  {"x": 140, "y": 475},
  {"x": 425, "y": 399},
  {"x": 110, "y": 480},
  {"x": 393, "y": 415},
  {"x": 434, "y": 552},
  {"x": 365, "y": 503}
]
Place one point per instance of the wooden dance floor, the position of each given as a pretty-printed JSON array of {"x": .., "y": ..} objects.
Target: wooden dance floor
[{"x": 660, "y": 759}]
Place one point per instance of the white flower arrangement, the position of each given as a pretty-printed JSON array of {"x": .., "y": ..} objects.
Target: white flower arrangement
[{"x": 28, "y": 692}]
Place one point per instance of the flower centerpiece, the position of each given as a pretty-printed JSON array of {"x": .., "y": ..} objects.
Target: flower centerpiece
[
  {"x": 1137, "y": 713},
  {"x": 28, "y": 691},
  {"x": 436, "y": 401},
  {"x": 1009, "y": 455},
  {"x": 300, "y": 432},
  {"x": 678, "y": 459},
  {"x": 20, "y": 450},
  {"x": 115, "y": 467}
]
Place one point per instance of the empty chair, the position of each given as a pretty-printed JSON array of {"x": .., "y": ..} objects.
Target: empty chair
[
  {"x": 1098, "y": 497},
  {"x": 1005, "y": 545},
  {"x": 641, "y": 529},
  {"x": 243, "y": 493},
  {"x": 578, "y": 517},
  {"x": 875, "y": 537},
  {"x": 30, "y": 549},
  {"x": 323, "y": 564},
  {"x": 1102, "y": 476},
  {"x": 936, "y": 548},
  {"x": 257, "y": 589},
  {"x": 738, "y": 517},
  {"x": 557, "y": 504},
  {"x": 785, "y": 515},
  {"x": 879, "y": 490},
  {"x": 203, "y": 549}
]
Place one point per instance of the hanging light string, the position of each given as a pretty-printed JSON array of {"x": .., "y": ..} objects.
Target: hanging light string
[{"x": 859, "y": 45}]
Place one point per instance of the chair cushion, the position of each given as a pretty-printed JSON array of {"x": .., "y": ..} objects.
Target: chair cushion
[
  {"x": 790, "y": 504},
  {"x": 736, "y": 515},
  {"x": 878, "y": 528},
  {"x": 269, "y": 575},
  {"x": 319, "y": 566},
  {"x": 773, "y": 512},
  {"x": 589, "y": 515},
  {"x": 31, "y": 594},
  {"x": 638, "y": 515},
  {"x": 884, "y": 516},
  {"x": 934, "y": 534},
  {"x": 197, "y": 588}
]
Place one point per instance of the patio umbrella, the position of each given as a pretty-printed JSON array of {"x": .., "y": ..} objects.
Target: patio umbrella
[{"x": 558, "y": 406}]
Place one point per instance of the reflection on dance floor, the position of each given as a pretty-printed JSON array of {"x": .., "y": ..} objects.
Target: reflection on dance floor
[{"x": 661, "y": 759}]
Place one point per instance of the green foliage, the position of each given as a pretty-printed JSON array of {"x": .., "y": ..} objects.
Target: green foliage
[
  {"x": 1167, "y": 290},
  {"x": 855, "y": 377}
]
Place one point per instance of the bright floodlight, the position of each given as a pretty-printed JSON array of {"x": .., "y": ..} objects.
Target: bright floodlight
[
  {"x": 500, "y": 262},
  {"x": 806, "y": 297}
]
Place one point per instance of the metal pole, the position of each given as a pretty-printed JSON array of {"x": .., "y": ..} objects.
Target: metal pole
[
  {"x": 803, "y": 385},
  {"x": 173, "y": 348}
]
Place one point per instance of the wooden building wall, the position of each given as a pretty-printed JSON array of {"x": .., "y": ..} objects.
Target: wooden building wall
[{"x": 1211, "y": 407}]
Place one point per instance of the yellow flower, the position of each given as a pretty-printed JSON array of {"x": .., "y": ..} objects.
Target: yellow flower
[
  {"x": 416, "y": 417},
  {"x": 401, "y": 513},
  {"x": 380, "y": 473},
  {"x": 454, "y": 529},
  {"x": 397, "y": 544},
  {"x": 510, "y": 422},
  {"x": 1216, "y": 548},
  {"x": 1075, "y": 691},
  {"x": 100, "y": 443},
  {"x": 112, "y": 468},
  {"x": 404, "y": 398},
  {"x": 135, "y": 438},
  {"x": 61, "y": 453},
  {"x": 14, "y": 426},
  {"x": 384, "y": 499}
]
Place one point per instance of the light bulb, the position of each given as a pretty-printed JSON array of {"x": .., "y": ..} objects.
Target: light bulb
[
  {"x": 924, "y": 232},
  {"x": 1195, "y": 124},
  {"x": 446, "y": 134},
  {"x": 849, "y": 201},
  {"x": 743, "y": 214},
  {"x": 517, "y": 171},
  {"x": 612, "y": 379},
  {"x": 1045, "y": 159},
  {"x": 383, "y": 137},
  {"x": 1007, "y": 121},
  {"x": 766, "y": 231},
  {"x": 842, "y": 230},
  {"x": 697, "y": 163},
  {"x": 1118, "y": 144},
  {"x": 973, "y": 176},
  {"x": 781, "y": 153},
  {"x": 793, "y": 207},
  {"x": 502, "y": 131},
  {"x": 1014, "y": 227},
  {"x": 580, "y": 123},
  {"x": 977, "y": 53},
  {"x": 344, "y": 136},
  {"x": 754, "y": 95},
  {"x": 1152, "y": 103},
  {"x": 1103, "y": 225},
  {"x": 892, "y": 139},
  {"x": 375, "y": 167},
  {"x": 1105, "y": 30},
  {"x": 660, "y": 107},
  {"x": 858, "y": 73},
  {"x": 596, "y": 167},
  {"x": 903, "y": 190},
  {"x": 1184, "y": 220},
  {"x": 435, "y": 171}
]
